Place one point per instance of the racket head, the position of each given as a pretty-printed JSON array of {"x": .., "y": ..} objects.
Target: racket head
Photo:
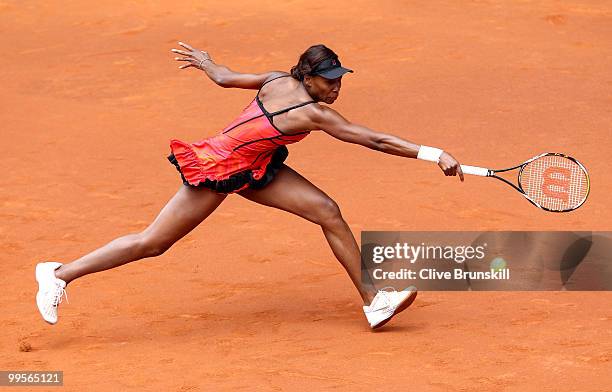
[{"x": 554, "y": 182}]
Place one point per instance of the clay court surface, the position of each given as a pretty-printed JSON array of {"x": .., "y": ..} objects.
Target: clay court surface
[{"x": 253, "y": 299}]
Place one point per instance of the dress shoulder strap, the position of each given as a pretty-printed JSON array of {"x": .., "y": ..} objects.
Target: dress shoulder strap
[
  {"x": 290, "y": 108},
  {"x": 269, "y": 80}
]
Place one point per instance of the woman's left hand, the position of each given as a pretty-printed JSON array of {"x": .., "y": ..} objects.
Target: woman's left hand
[
  {"x": 449, "y": 165},
  {"x": 195, "y": 57}
]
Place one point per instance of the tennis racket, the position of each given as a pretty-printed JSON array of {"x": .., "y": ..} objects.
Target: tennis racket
[{"x": 551, "y": 181}]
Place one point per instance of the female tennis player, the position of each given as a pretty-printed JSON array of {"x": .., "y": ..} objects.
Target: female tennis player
[{"x": 247, "y": 158}]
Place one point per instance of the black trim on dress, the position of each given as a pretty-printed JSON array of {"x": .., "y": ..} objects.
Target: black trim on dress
[
  {"x": 238, "y": 180},
  {"x": 243, "y": 122}
]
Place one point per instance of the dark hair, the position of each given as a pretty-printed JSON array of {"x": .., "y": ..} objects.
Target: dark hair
[{"x": 310, "y": 58}]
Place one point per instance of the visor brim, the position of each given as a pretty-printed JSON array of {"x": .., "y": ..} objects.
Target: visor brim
[{"x": 334, "y": 73}]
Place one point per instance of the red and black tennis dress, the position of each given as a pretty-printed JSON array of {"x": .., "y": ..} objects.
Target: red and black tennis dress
[{"x": 247, "y": 153}]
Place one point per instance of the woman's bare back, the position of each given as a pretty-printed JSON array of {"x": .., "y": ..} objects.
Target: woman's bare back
[{"x": 282, "y": 93}]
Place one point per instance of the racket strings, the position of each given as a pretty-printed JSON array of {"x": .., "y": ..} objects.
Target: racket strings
[{"x": 555, "y": 182}]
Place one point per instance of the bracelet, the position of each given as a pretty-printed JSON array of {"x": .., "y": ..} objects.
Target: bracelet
[
  {"x": 429, "y": 154},
  {"x": 202, "y": 62}
]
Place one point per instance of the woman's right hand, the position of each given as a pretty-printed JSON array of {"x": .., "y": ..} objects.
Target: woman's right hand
[
  {"x": 449, "y": 165},
  {"x": 195, "y": 57}
]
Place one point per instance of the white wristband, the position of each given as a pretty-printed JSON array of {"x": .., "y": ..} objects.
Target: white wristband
[{"x": 429, "y": 154}]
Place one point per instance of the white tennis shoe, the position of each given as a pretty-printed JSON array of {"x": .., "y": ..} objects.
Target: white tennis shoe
[
  {"x": 50, "y": 290},
  {"x": 387, "y": 304}
]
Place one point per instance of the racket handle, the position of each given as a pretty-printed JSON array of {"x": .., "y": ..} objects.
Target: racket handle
[{"x": 475, "y": 170}]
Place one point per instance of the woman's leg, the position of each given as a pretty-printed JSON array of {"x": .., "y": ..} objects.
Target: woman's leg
[
  {"x": 187, "y": 208},
  {"x": 291, "y": 192}
]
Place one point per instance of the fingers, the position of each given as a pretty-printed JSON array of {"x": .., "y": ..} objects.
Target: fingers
[
  {"x": 181, "y": 52},
  {"x": 460, "y": 172},
  {"x": 450, "y": 166},
  {"x": 184, "y": 45},
  {"x": 453, "y": 171},
  {"x": 191, "y": 62},
  {"x": 448, "y": 170},
  {"x": 195, "y": 56}
]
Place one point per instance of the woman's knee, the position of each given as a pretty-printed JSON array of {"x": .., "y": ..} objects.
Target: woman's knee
[{"x": 328, "y": 212}]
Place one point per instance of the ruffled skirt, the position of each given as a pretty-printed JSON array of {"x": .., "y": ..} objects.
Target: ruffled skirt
[{"x": 241, "y": 180}]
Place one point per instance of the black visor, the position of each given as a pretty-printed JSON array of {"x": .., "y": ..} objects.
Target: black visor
[{"x": 330, "y": 69}]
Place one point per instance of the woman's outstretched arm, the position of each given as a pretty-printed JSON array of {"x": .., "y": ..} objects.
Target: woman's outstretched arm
[
  {"x": 332, "y": 122},
  {"x": 220, "y": 74}
]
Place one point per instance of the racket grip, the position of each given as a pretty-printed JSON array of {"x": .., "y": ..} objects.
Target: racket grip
[{"x": 475, "y": 170}]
